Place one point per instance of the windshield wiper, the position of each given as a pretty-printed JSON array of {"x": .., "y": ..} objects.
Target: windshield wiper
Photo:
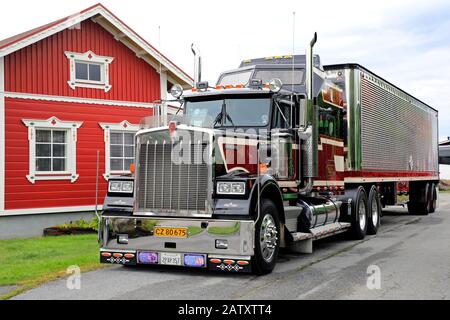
[
  {"x": 221, "y": 115},
  {"x": 218, "y": 119},
  {"x": 229, "y": 118}
]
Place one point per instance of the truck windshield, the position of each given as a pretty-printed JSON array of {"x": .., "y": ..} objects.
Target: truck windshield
[{"x": 228, "y": 113}]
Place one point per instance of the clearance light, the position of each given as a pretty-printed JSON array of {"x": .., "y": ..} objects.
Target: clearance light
[
  {"x": 106, "y": 254},
  {"x": 117, "y": 255},
  {"x": 194, "y": 89},
  {"x": 172, "y": 128},
  {"x": 132, "y": 168},
  {"x": 262, "y": 168},
  {"x": 216, "y": 261},
  {"x": 129, "y": 255},
  {"x": 239, "y": 86},
  {"x": 242, "y": 263},
  {"x": 228, "y": 262},
  {"x": 228, "y": 86},
  {"x": 218, "y": 87}
]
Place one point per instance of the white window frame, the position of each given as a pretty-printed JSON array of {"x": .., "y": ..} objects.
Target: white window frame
[
  {"x": 71, "y": 128},
  {"x": 89, "y": 57},
  {"x": 123, "y": 126},
  {"x": 51, "y": 157}
]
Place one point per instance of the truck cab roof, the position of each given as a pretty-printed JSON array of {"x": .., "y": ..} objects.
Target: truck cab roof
[{"x": 269, "y": 68}]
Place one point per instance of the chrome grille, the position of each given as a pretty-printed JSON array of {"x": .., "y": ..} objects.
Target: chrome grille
[
  {"x": 166, "y": 185},
  {"x": 396, "y": 130}
]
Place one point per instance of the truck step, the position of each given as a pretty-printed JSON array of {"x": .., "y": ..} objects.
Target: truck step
[{"x": 322, "y": 231}]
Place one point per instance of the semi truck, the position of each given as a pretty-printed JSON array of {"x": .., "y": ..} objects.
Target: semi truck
[{"x": 281, "y": 152}]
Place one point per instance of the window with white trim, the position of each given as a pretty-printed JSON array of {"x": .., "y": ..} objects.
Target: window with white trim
[
  {"x": 119, "y": 147},
  {"x": 52, "y": 149},
  {"x": 121, "y": 151},
  {"x": 88, "y": 70}
]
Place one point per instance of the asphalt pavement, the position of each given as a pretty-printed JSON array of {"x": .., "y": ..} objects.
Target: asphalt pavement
[{"x": 409, "y": 258}]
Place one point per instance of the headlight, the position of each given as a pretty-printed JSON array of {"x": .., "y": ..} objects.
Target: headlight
[
  {"x": 275, "y": 85},
  {"x": 237, "y": 188},
  {"x": 121, "y": 186},
  {"x": 176, "y": 91}
]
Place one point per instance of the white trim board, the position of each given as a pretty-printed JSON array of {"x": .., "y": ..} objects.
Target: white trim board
[
  {"x": 2, "y": 135},
  {"x": 115, "y": 103},
  {"x": 22, "y": 212},
  {"x": 388, "y": 179}
]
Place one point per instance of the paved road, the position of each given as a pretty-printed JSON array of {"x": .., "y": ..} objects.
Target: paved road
[{"x": 411, "y": 252}]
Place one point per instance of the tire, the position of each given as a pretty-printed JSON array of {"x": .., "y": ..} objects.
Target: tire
[
  {"x": 358, "y": 217},
  {"x": 421, "y": 201},
  {"x": 374, "y": 211},
  {"x": 433, "y": 198},
  {"x": 265, "y": 257}
]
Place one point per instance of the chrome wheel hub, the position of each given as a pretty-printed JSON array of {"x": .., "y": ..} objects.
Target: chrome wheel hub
[
  {"x": 374, "y": 212},
  {"x": 268, "y": 237},
  {"x": 362, "y": 215}
]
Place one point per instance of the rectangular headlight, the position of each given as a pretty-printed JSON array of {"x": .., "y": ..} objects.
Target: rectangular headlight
[
  {"x": 121, "y": 186},
  {"x": 127, "y": 186},
  {"x": 232, "y": 188}
]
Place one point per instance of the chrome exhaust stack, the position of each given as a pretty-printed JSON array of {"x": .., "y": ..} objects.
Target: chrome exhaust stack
[
  {"x": 308, "y": 131},
  {"x": 197, "y": 65}
]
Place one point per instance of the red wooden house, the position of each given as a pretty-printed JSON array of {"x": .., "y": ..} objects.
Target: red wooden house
[{"x": 68, "y": 89}]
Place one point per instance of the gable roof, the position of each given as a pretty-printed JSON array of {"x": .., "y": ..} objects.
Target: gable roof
[{"x": 112, "y": 24}]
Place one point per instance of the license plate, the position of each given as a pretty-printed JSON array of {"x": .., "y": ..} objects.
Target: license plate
[
  {"x": 170, "y": 232},
  {"x": 172, "y": 259}
]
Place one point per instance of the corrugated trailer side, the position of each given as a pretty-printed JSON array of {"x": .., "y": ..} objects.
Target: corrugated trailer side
[{"x": 391, "y": 135}]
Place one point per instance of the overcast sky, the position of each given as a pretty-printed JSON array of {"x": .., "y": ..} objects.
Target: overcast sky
[{"x": 405, "y": 41}]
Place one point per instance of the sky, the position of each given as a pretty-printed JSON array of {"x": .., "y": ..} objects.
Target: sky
[{"x": 405, "y": 41}]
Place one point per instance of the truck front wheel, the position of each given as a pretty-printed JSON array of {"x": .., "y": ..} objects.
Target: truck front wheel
[{"x": 267, "y": 238}]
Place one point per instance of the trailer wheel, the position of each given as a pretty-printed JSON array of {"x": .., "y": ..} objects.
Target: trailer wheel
[
  {"x": 419, "y": 199},
  {"x": 358, "y": 217},
  {"x": 267, "y": 240},
  {"x": 374, "y": 212}
]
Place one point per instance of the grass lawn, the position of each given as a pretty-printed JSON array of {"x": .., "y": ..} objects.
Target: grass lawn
[{"x": 27, "y": 263}]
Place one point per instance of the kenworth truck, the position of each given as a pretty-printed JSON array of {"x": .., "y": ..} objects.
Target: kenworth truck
[{"x": 280, "y": 152}]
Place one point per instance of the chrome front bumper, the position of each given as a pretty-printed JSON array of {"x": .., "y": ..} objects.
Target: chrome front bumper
[{"x": 202, "y": 235}]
